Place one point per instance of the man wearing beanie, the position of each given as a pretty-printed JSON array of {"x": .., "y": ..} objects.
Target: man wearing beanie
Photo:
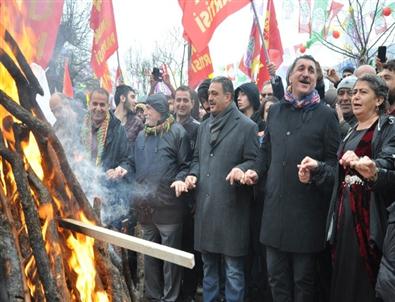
[
  {"x": 343, "y": 105},
  {"x": 247, "y": 100},
  {"x": 160, "y": 161}
]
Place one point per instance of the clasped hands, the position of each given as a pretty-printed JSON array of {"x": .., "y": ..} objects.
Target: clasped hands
[
  {"x": 249, "y": 177},
  {"x": 365, "y": 166}
]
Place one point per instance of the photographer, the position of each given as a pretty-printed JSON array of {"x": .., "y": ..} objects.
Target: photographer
[{"x": 160, "y": 82}]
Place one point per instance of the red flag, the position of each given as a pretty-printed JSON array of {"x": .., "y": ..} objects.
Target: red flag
[
  {"x": 38, "y": 19},
  {"x": 201, "y": 18},
  {"x": 105, "y": 41},
  {"x": 272, "y": 40},
  {"x": 305, "y": 16},
  {"x": 250, "y": 60},
  {"x": 105, "y": 79},
  {"x": 119, "y": 77},
  {"x": 334, "y": 9},
  {"x": 200, "y": 66},
  {"x": 67, "y": 84}
]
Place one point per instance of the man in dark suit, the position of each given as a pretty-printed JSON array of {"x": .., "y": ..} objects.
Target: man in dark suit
[{"x": 226, "y": 146}]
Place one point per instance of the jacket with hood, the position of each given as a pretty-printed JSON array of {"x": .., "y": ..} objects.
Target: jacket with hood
[{"x": 252, "y": 92}]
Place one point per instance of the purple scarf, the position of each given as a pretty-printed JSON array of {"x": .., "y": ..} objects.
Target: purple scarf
[{"x": 308, "y": 102}]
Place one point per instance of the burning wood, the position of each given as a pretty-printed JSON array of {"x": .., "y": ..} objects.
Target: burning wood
[{"x": 37, "y": 185}]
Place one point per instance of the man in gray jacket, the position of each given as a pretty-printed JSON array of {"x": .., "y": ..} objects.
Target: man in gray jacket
[{"x": 226, "y": 146}]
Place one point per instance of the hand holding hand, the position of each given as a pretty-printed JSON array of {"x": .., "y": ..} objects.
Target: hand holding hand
[
  {"x": 349, "y": 159},
  {"x": 250, "y": 177},
  {"x": 235, "y": 175},
  {"x": 179, "y": 186},
  {"x": 191, "y": 181},
  {"x": 366, "y": 167},
  {"x": 117, "y": 173}
]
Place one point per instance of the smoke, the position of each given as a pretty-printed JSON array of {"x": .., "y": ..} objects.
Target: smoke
[{"x": 116, "y": 196}]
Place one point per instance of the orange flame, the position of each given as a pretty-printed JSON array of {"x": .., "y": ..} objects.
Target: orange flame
[{"x": 82, "y": 262}]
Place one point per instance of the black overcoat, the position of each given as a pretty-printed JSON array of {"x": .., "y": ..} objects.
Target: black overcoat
[
  {"x": 222, "y": 210},
  {"x": 294, "y": 213}
]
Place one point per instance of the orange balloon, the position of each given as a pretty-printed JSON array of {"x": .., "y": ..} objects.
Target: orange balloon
[{"x": 302, "y": 49}]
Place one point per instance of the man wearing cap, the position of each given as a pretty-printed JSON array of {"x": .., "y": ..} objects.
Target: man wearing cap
[
  {"x": 343, "y": 104},
  {"x": 159, "y": 162}
]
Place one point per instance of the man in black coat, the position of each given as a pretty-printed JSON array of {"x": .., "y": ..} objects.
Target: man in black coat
[
  {"x": 226, "y": 146},
  {"x": 294, "y": 215}
]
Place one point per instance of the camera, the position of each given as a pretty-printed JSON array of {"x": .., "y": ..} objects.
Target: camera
[{"x": 157, "y": 74}]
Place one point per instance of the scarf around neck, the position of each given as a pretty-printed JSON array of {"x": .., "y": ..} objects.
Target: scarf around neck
[
  {"x": 101, "y": 136},
  {"x": 218, "y": 122},
  {"x": 308, "y": 102},
  {"x": 161, "y": 128}
]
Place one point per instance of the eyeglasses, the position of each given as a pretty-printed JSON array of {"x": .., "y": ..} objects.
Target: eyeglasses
[{"x": 264, "y": 95}]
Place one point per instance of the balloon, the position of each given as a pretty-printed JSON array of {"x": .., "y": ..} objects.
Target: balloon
[
  {"x": 335, "y": 34},
  {"x": 387, "y": 11},
  {"x": 302, "y": 49}
]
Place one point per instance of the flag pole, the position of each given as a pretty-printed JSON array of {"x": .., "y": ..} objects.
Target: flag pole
[{"x": 260, "y": 33}]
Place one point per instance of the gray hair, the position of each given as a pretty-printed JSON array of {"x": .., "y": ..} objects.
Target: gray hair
[
  {"x": 227, "y": 85},
  {"x": 379, "y": 88},
  {"x": 292, "y": 67}
]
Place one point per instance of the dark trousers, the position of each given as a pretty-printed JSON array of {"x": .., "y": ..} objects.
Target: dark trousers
[
  {"x": 162, "y": 279},
  {"x": 291, "y": 275},
  {"x": 191, "y": 277}
]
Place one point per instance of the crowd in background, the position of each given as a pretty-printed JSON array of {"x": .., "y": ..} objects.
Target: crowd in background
[{"x": 282, "y": 194}]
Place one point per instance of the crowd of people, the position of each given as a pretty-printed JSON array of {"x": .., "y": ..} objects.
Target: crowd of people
[{"x": 282, "y": 194}]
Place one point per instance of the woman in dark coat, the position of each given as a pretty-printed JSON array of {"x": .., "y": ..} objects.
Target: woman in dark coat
[{"x": 357, "y": 216}]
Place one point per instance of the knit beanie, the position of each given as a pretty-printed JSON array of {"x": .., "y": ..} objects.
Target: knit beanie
[
  {"x": 347, "y": 82},
  {"x": 252, "y": 92},
  {"x": 159, "y": 103}
]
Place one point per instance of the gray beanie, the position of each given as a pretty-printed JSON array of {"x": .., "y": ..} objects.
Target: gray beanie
[
  {"x": 159, "y": 103},
  {"x": 347, "y": 82}
]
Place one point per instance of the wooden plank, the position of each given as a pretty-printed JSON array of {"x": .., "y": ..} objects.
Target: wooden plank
[{"x": 139, "y": 245}]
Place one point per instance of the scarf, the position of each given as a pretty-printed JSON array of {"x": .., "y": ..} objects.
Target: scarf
[
  {"x": 101, "y": 135},
  {"x": 161, "y": 128},
  {"x": 359, "y": 198},
  {"x": 218, "y": 122},
  {"x": 308, "y": 102}
]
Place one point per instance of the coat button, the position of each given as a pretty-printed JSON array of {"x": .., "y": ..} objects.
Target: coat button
[
  {"x": 211, "y": 154},
  {"x": 288, "y": 133},
  {"x": 284, "y": 163},
  {"x": 208, "y": 174}
]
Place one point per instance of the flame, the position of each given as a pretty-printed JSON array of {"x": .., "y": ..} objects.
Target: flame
[
  {"x": 82, "y": 262},
  {"x": 33, "y": 156}
]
